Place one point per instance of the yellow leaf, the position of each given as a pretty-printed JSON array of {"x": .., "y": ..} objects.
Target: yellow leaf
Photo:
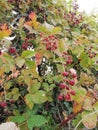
[
  {"x": 4, "y": 31},
  {"x": 89, "y": 119},
  {"x": 29, "y": 101},
  {"x": 87, "y": 105},
  {"x": 33, "y": 23},
  {"x": 1, "y": 71},
  {"x": 77, "y": 107}
]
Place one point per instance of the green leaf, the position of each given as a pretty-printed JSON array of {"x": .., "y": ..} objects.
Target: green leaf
[
  {"x": 36, "y": 121},
  {"x": 56, "y": 30},
  {"x": 87, "y": 105},
  {"x": 29, "y": 101},
  {"x": 96, "y": 67},
  {"x": 45, "y": 86},
  {"x": 20, "y": 62},
  {"x": 48, "y": 87},
  {"x": 80, "y": 94},
  {"x": 1, "y": 63},
  {"x": 8, "y": 58},
  {"x": 43, "y": 29},
  {"x": 95, "y": 106},
  {"x": 15, "y": 90},
  {"x": 39, "y": 97},
  {"x": 57, "y": 78},
  {"x": 85, "y": 60},
  {"x": 23, "y": 127},
  {"x": 89, "y": 119},
  {"x": 18, "y": 119},
  {"x": 76, "y": 120},
  {"x": 77, "y": 50},
  {"x": 31, "y": 64},
  {"x": 7, "y": 68},
  {"x": 22, "y": 34},
  {"x": 8, "y": 85},
  {"x": 16, "y": 96},
  {"x": 9, "y": 61},
  {"x": 27, "y": 54},
  {"x": 62, "y": 46},
  {"x": 35, "y": 87}
]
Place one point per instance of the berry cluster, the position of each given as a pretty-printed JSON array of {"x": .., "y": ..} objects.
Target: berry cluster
[
  {"x": 68, "y": 58},
  {"x": 72, "y": 18},
  {"x": 12, "y": 50},
  {"x": 69, "y": 80},
  {"x": 26, "y": 43},
  {"x": 51, "y": 42},
  {"x": 90, "y": 51}
]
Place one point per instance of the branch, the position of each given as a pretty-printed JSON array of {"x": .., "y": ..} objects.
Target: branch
[{"x": 64, "y": 122}]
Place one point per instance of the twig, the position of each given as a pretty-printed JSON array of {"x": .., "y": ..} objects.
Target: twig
[{"x": 64, "y": 122}]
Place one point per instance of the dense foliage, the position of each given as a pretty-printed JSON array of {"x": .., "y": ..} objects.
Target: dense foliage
[{"x": 48, "y": 65}]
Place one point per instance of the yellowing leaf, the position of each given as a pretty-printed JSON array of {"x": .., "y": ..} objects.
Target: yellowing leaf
[
  {"x": 62, "y": 46},
  {"x": 32, "y": 16},
  {"x": 86, "y": 79},
  {"x": 77, "y": 107},
  {"x": 4, "y": 31},
  {"x": 1, "y": 71},
  {"x": 88, "y": 103},
  {"x": 33, "y": 23},
  {"x": 29, "y": 101},
  {"x": 85, "y": 60},
  {"x": 39, "y": 97},
  {"x": 56, "y": 30},
  {"x": 89, "y": 119},
  {"x": 80, "y": 94},
  {"x": 82, "y": 39},
  {"x": 95, "y": 106}
]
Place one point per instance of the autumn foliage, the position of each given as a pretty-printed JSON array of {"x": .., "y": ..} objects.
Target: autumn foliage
[{"x": 48, "y": 65}]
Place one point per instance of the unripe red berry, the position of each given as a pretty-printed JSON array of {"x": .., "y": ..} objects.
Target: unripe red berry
[
  {"x": 12, "y": 50},
  {"x": 12, "y": 101},
  {"x": 24, "y": 46},
  {"x": 73, "y": 92},
  {"x": 69, "y": 61},
  {"x": 74, "y": 76},
  {"x": 3, "y": 104},
  {"x": 65, "y": 73},
  {"x": 62, "y": 85},
  {"x": 67, "y": 88},
  {"x": 67, "y": 97},
  {"x": 65, "y": 53},
  {"x": 60, "y": 97},
  {"x": 71, "y": 82}
]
